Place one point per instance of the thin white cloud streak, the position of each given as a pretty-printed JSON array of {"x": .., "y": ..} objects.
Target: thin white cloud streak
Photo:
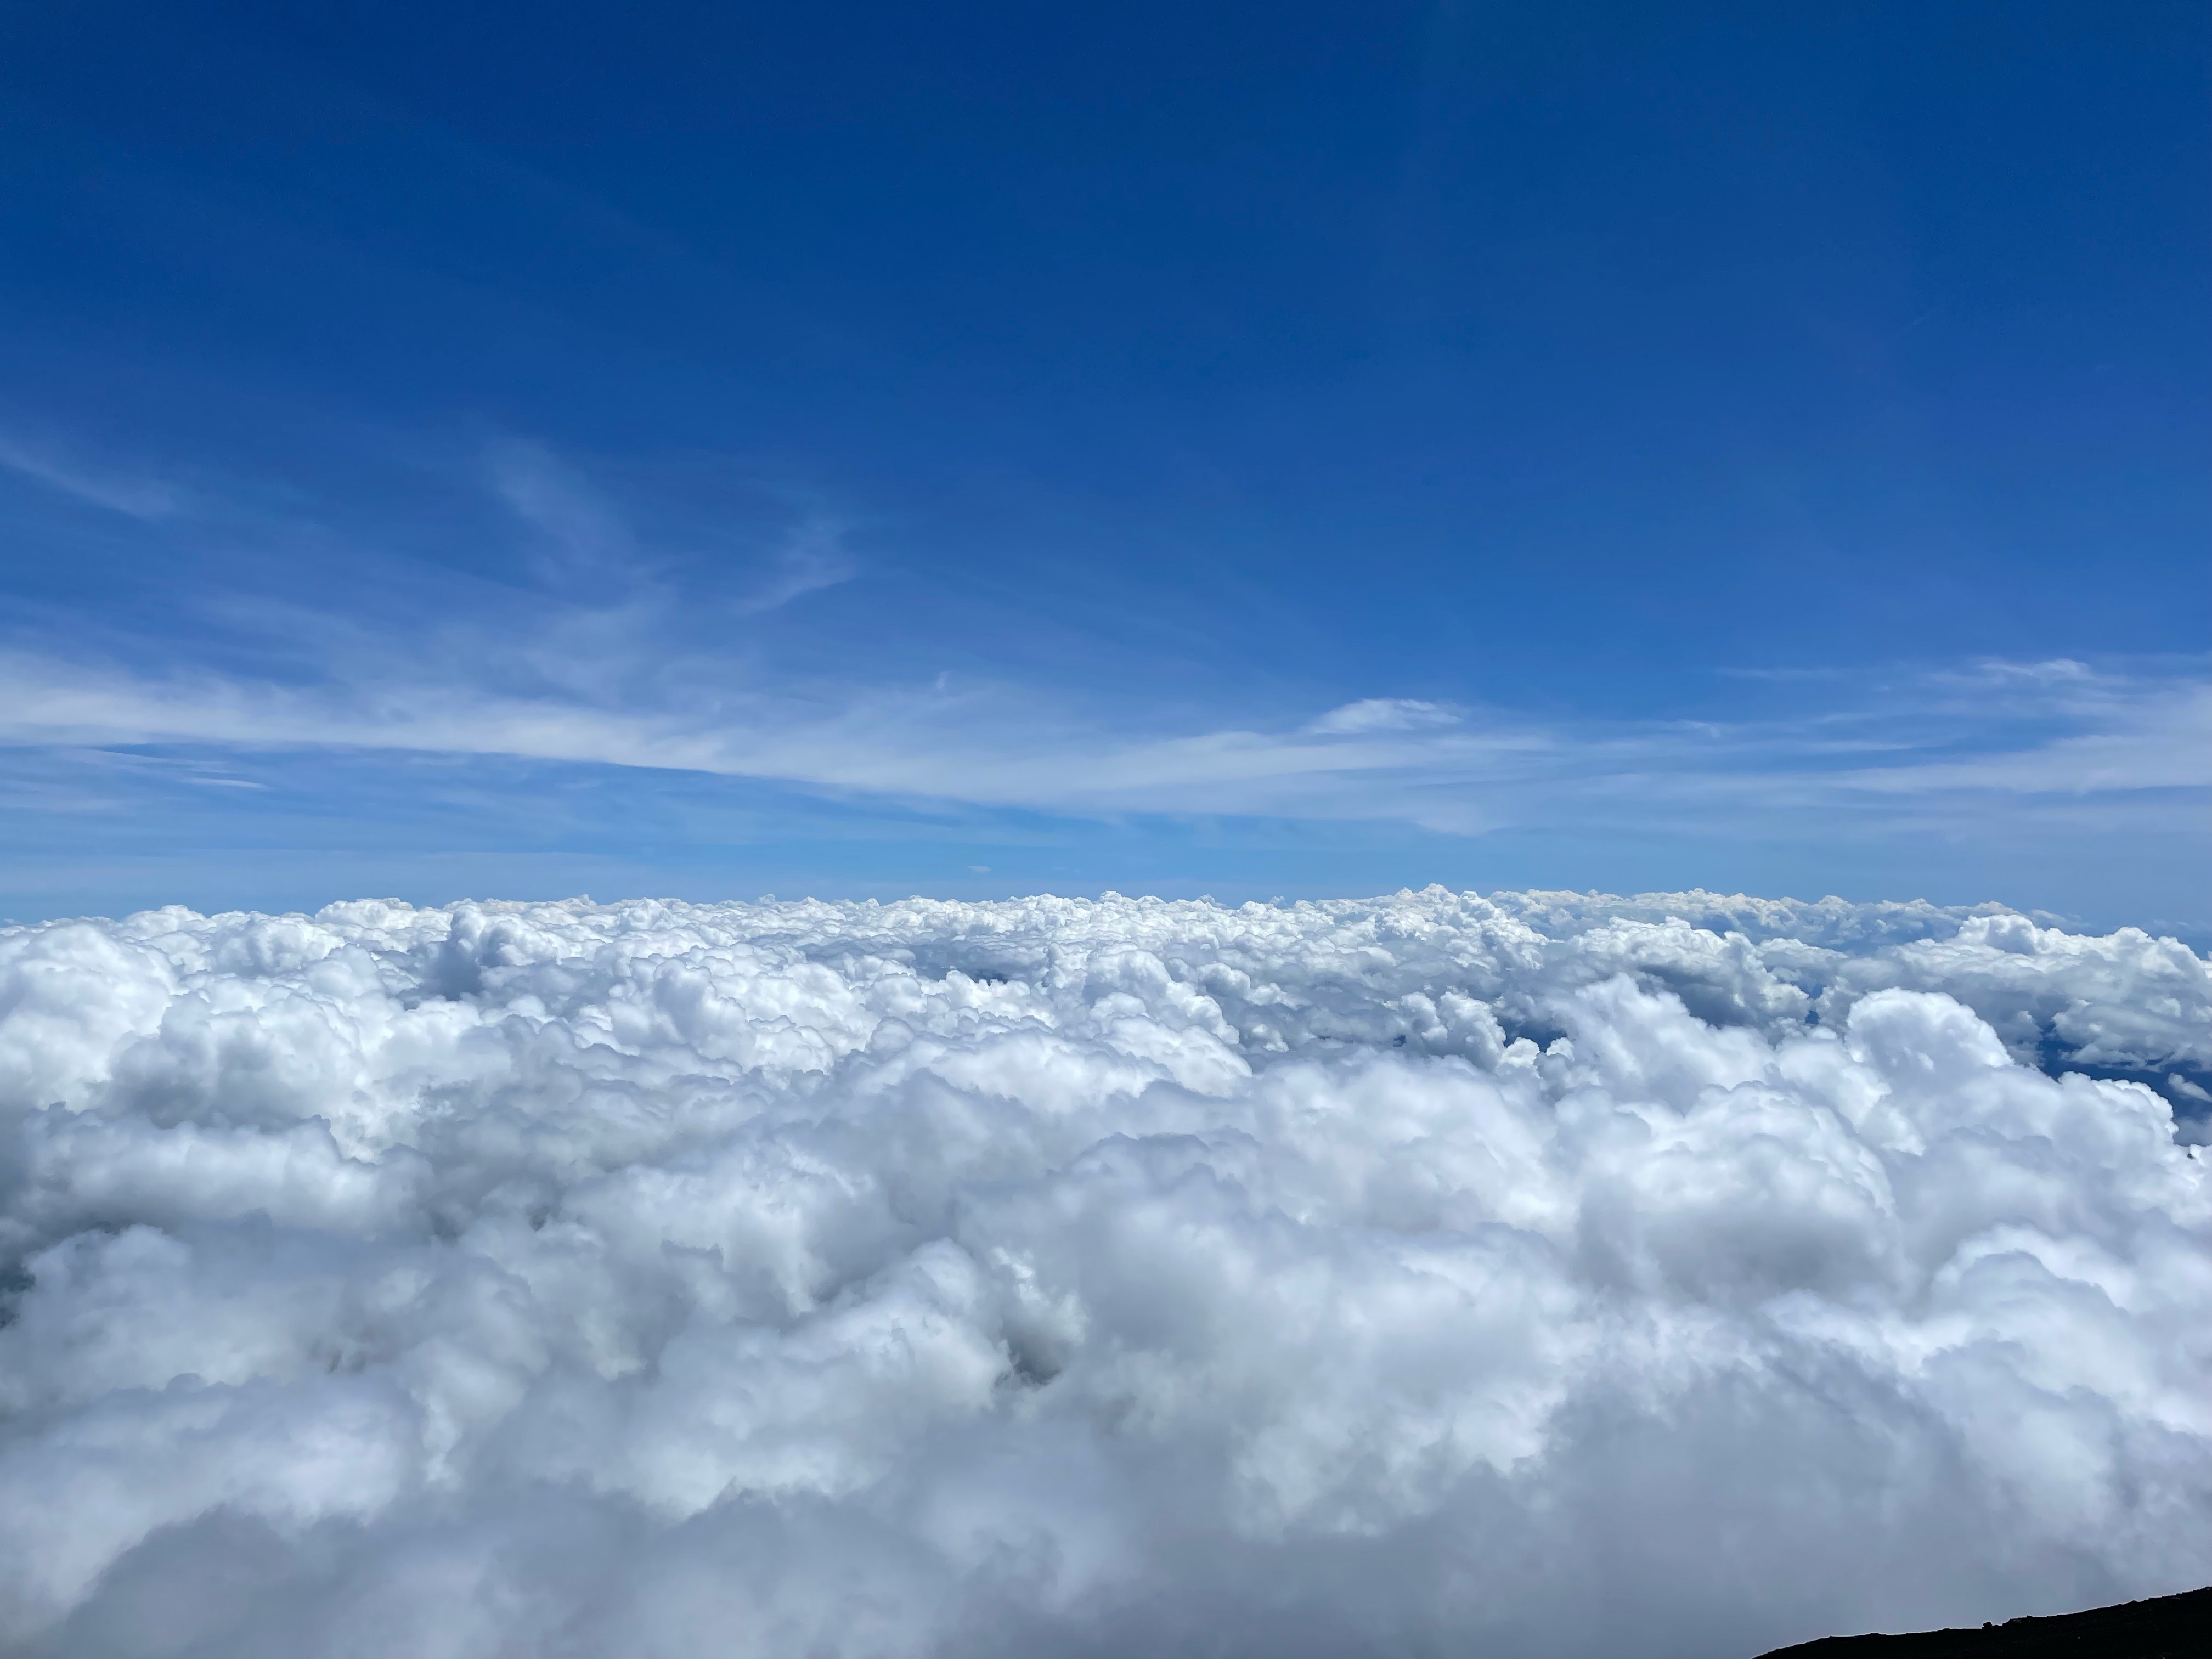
[
  {"x": 985, "y": 745},
  {"x": 586, "y": 530},
  {"x": 1378, "y": 759},
  {"x": 595, "y": 682},
  {"x": 1385, "y": 715},
  {"x": 590, "y": 541},
  {"x": 132, "y": 495},
  {"x": 2159, "y": 739},
  {"x": 812, "y": 557}
]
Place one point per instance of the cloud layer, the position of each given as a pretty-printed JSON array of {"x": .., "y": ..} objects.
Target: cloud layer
[{"x": 1546, "y": 1274}]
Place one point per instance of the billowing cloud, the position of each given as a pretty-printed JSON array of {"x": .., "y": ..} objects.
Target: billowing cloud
[{"x": 1543, "y": 1274}]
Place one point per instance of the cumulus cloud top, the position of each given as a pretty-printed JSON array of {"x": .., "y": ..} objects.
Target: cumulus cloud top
[{"x": 1548, "y": 1273}]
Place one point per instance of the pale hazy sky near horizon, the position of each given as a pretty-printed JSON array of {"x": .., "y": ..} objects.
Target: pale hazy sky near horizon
[{"x": 983, "y": 449}]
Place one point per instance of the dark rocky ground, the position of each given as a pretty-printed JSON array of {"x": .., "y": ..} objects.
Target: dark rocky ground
[{"x": 2168, "y": 1627}]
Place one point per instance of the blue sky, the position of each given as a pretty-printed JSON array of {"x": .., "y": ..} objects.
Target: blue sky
[{"x": 976, "y": 449}]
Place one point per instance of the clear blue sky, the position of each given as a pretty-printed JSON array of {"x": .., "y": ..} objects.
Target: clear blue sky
[{"x": 975, "y": 448}]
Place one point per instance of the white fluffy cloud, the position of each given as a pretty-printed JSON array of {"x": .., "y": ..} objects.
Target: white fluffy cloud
[{"x": 1544, "y": 1274}]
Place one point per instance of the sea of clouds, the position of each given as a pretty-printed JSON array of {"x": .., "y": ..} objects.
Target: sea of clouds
[{"x": 1543, "y": 1274}]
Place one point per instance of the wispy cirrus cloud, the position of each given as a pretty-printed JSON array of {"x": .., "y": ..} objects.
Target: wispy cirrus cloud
[
  {"x": 579, "y": 530},
  {"x": 1385, "y": 715},
  {"x": 991, "y": 745},
  {"x": 585, "y": 539},
  {"x": 614, "y": 653},
  {"x": 813, "y": 555},
  {"x": 136, "y": 495}
]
